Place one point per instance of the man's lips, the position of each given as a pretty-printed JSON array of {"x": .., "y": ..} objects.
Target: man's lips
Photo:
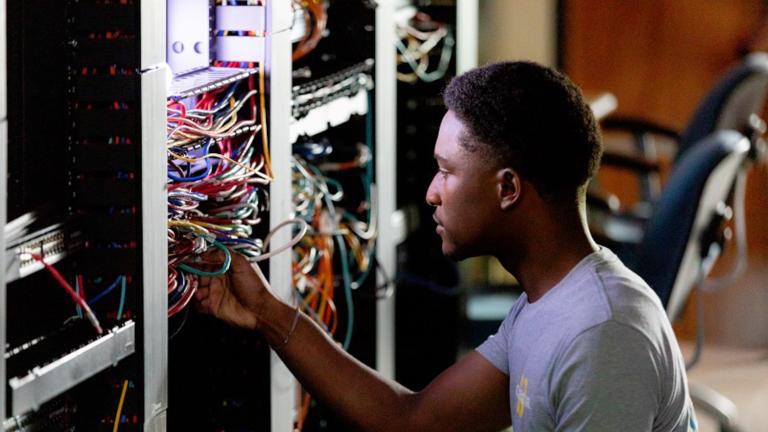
[{"x": 439, "y": 226}]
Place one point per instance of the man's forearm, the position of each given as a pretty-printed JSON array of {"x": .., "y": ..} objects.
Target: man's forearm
[{"x": 358, "y": 394}]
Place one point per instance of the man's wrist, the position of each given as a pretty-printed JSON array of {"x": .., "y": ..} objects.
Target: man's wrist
[{"x": 274, "y": 320}]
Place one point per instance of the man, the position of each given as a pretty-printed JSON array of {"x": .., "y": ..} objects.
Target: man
[{"x": 586, "y": 347}]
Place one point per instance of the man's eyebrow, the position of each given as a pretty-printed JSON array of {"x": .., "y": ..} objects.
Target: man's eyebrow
[{"x": 439, "y": 158}]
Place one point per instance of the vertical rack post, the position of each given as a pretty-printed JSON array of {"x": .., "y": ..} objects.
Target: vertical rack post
[
  {"x": 154, "y": 200},
  {"x": 278, "y": 67},
  {"x": 154, "y": 250},
  {"x": 3, "y": 203},
  {"x": 466, "y": 35},
  {"x": 386, "y": 157}
]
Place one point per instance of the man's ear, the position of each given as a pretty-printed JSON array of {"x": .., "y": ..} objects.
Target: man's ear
[{"x": 509, "y": 188}]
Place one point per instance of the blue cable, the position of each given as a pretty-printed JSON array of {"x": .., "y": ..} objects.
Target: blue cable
[
  {"x": 176, "y": 295},
  {"x": 200, "y": 176},
  {"x": 225, "y": 99},
  {"x": 101, "y": 295},
  {"x": 204, "y": 174},
  {"x": 227, "y": 240}
]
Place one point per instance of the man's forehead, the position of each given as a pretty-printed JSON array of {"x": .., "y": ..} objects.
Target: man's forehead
[{"x": 448, "y": 137}]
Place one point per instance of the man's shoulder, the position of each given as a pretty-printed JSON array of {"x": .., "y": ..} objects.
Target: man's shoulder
[{"x": 608, "y": 291}]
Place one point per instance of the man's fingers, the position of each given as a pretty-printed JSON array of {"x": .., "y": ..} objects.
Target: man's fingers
[
  {"x": 204, "y": 306},
  {"x": 239, "y": 264},
  {"x": 202, "y": 293},
  {"x": 212, "y": 257}
]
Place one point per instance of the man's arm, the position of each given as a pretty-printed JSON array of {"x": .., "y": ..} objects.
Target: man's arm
[
  {"x": 471, "y": 395},
  {"x": 608, "y": 380}
]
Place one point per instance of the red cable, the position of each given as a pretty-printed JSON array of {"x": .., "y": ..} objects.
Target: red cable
[
  {"x": 68, "y": 288},
  {"x": 184, "y": 301},
  {"x": 82, "y": 286}
]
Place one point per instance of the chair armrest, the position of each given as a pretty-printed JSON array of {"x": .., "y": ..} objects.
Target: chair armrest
[
  {"x": 630, "y": 162},
  {"x": 602, "y": 201},
  {"x": 617, "y": 228},
  {"x": 637, "y": 126}
]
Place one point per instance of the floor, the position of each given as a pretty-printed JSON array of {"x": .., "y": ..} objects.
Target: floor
[{"x": 741, "y": 375}]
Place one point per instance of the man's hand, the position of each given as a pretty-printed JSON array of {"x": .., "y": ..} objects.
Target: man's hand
[
  {"x": 471, "y": 395},
  {"x": 238, "y": 297}
]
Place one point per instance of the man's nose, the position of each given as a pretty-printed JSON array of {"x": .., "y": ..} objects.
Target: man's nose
[{"x": 433, "y": 198}]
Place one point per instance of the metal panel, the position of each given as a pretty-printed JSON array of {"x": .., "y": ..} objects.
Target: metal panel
[
  {"x": 466, "y": 35},
  {"x": 188, "y": 39},
  {"x": 3, "y": 204},
  {"x": 278, "y": 68},
  {"x": 154, "y": 248},
  {"x": 152, "y": 33},
  {"x": 243, "y": 18},
  {"x": 3, "y": 74},
  {"x": 386, "y": 113},
  {"x": 43, "y": 384},
  {"x": 240, "y": 48}
]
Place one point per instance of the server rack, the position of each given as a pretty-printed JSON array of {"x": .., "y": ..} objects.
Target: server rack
[
  {"x": 356, "y": 61},
  {"x": 93, "y": 181},
  {"x": 140, "y": 345},
  {"x": 429, "y": 281}
]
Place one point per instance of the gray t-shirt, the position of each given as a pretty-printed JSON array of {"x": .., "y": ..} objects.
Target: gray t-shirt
[{"x": 595, "y": 353}]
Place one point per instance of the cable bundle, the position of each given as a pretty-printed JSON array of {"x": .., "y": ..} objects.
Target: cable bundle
[
  {"x": 316, "y": 199},
  {"x": 216, "y": 178},
  {"x": 416, "y": 39},
  {"x": 333, "y": 233},
  {"x": 315, "y": 22}
]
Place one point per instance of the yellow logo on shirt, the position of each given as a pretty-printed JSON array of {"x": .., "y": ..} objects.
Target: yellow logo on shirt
[{"x": 521, "y": 391}]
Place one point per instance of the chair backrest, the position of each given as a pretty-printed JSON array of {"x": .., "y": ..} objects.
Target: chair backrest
[
  {"x": 670, "y": 255},
  {"x": 730, "y": 104}
]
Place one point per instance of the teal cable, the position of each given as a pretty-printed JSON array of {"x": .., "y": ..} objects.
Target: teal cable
[
  {"x": 122, "y": 300},
  {"x": 367, "y": 183},
  {"x": 347, "y": 285},
  {"x": 219, "y": 272},
  {"x": 77, "y": 290},
  {"x": 345, "y": 276}
]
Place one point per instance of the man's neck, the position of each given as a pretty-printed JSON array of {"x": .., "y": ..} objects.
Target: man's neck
[{"x": 544, "y": 258}]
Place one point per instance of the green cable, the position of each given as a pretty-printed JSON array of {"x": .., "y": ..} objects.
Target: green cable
[{"x": 219, "y": 272}]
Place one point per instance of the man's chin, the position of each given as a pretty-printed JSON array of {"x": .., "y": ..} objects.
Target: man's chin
[{"x": 453, "y": 253}]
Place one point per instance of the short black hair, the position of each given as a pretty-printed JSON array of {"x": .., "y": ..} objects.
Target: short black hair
[{"x": 530, "y": 118}]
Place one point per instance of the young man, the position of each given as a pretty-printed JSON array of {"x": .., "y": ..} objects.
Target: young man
[{"x": 586, "y": 347}]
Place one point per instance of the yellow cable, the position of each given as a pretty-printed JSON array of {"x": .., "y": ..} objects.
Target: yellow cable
[
  {"x": 197, "y": 229},
  {"x": 263, "y": 112},
  {"x": 120, "y": 406}
]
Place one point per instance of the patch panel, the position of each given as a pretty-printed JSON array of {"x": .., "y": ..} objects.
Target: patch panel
[{"x": 52, "y": 244}]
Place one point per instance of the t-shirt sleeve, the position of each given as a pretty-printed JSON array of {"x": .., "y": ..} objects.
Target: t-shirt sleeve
[
  {"x": 494, "y": 349},
  {"x": 607, "y": 379}
]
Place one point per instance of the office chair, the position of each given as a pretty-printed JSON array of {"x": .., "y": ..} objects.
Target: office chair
[
  {"x": 735, "y": 103},
  {"x": 684, "y": 235}
]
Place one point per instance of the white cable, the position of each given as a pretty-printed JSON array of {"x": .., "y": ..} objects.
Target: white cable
[{"x": 296, "y": 239}]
